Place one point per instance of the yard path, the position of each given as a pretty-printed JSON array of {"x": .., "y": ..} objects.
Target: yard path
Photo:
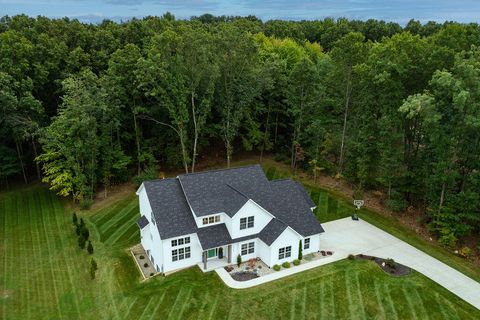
[{"x": 345, "y": 236}]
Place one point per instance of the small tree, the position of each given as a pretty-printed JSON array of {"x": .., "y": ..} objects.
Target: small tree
[
  {"x": 90, "y": 247},
  {"x": 81, "y": 242},
  {"x": 82, "y": 223},
  {"x": 75, "y": 219},
  {"x": 85, "y": 233},
  {"x": 78, "y": 229},
  {"x": 239, "y": 260},
  {"x": 93, "y": 268},
  {"x": 300, "y": 250}
]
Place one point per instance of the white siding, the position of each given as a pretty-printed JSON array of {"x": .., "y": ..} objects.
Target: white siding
[
  {"x": 150, "y": 238},
  {"x": 263, "y": 252},
  {"x": 145, "y": 209},
  {"x": 237, "y": 249},
  {"x": 195, "y": 249},
  {"x": 287, "y": 238},
  {"x": 250, "y": 208},
  {"x": 314, "y": 244}
]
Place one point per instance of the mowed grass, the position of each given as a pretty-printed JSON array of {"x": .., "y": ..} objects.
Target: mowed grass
[
  {"x": 333, "y": 205},
  {"x": 45, "y": 276}
]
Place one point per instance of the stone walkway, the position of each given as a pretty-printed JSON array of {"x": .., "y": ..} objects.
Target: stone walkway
[{"x": 345, "y": 237}]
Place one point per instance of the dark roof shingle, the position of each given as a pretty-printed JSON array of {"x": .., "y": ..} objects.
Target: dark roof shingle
[
  {"x": 169, "y": 207},
  {"x": 227, "y": 190},
  {"x": 142, "y": 222}
]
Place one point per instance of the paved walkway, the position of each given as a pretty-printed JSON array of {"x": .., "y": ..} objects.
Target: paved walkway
[{"x": 345, "y": 236}]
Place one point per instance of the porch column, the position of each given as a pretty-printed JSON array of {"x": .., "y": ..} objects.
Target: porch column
[
  {"x": 229, "y": 253},
  {"x": 204, "y": 259}
]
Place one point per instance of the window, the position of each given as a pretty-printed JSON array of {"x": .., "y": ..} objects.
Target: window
[
  {"x": 211, "y": 219},
  {"x": 153, "y": 220},
  {"x": 180, "y": 242},
  {"x": 285, "y": 252},
  {"x": 153, "y": 260},
  {"x": 248, "y": 248},
  {"x": 151, "y": 237},
  {"x": 181, "y": 254},
  {"x": 247, "y": 222},
  {"x": 306, "y": 243}
]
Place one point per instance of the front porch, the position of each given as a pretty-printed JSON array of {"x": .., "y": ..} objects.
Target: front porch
[{"x": 216, "y": 258}]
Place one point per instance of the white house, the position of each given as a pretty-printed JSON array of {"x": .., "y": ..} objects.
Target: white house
[{"x": 209, "y": 218}]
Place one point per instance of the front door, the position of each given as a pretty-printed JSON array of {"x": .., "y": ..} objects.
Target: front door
[{"x": 212, "y": 253}]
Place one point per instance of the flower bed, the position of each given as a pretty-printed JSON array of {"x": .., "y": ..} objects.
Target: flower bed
[{"x": 387, "y": 265}]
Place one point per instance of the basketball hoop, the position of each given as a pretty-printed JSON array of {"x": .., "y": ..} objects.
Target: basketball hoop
[{"x": 358, "y": 203}]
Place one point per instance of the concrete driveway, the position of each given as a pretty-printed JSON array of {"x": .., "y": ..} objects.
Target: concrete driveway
[{"x": 345, "y": 236}]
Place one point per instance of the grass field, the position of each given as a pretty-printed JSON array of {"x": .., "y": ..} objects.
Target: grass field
[
  {"x": 332, "y": 206},
  {"x": 44, "y": 275}
]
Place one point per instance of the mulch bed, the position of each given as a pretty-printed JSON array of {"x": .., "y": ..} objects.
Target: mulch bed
[
  {"x": 398, "y": 270},
  {"x": 244, "y": 275}
]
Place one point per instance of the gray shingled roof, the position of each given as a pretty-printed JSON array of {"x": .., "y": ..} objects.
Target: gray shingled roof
[
  {"x": 216, "y": 191},
  {"x": 290, "y": 207},
  {"x": 218, "y": 235},
  {"x": 227, "y": 191},
  {"x": 142, "y": 222},
  {"x": 170, "y": 209},
  {"x": 272, "y": 231}
]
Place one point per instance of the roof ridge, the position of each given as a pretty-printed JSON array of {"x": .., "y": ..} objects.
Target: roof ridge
[
  {"x": 282, "y": 179},
  {"x": 235, "y": 189},
  {"x": 161, "y": 179},
  {"x": 217, "y": 170}
]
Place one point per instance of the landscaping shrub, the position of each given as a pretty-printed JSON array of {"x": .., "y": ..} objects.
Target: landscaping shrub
[
  {"x": 81, "y": 242},
  {"x": 75, "y": 219},
  {"x": 286, "y": 265},
  {"x": 145, "y": 265},
  {"x": 465, "y": 252},
  {"x": 300, "y": 250},
  {"x": 142, "y": 257},
  {"x": 93, "y": 268},
  {"x": 391, "y": 263},
  {"x": 276, "y": 267},
  {"x": 351, "y": 257},
  {"x": 296, "y": 262},
  {"x": 90, "y": 247},
  {"x": 448, "y": 239},
  {"x": 151, "y": 274},
  {"x": 85, "y": 204},
  {"x": 239, "y": 260}
]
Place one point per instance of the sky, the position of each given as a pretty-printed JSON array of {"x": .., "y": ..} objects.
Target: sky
[{"x": 400, "y": 11}]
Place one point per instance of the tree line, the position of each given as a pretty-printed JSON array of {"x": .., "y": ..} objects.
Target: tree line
[{"x": 386, "y": 107}]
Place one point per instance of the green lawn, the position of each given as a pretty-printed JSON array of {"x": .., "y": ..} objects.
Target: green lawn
[
  {"x": 332, "y": 206},
  {"x": 45, "y": 276}
]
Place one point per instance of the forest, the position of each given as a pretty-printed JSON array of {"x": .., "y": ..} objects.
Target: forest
[{"x": 386, "y": 107}]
